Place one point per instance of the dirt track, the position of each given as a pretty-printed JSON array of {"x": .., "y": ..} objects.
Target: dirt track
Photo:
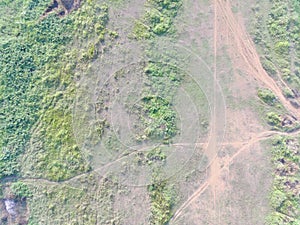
[
  {"x": 243, "y": 46},
  {"x": 213, "y": 179}
]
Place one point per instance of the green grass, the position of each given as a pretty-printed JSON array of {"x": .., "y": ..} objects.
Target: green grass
[{"x": 37, "y": 85}]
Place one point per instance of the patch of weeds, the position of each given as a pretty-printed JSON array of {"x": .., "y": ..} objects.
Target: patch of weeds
[
  {"x": 113, "y": 143},
  {"x": 141, "y": 30},
  {"x": 90, "y": 22},
  {"x": 278, "y": 36},
  {"x": 20, "y": 190},
  {"x": 101, "y": 125},
  {"x": 274, "y": 119},
  {"x": 158, "y": 118},
  {"x": 269, "y": 67},
  {"x": 164, "y": 79},
  {"x": 288, "y": 93},
  {"x": 284, "y": 197},
  {"x": 160, "y": 70},
  {"x": 267, "y": 96},
  {"x": 62, "y": 158},
  {"x": 163, "y": 199},
  {"x": 158, "y": 20},
  {"x": 155, "y": 155}
]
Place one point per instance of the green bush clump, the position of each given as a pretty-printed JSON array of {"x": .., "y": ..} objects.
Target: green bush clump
[
  {"x": 20, "y": 190},
  {"x": 274, "y": 119},
  {"x": 158, "y": 20},
  {"x": 141, "y": 31},
  {"x": 163, "y": 70},
  {"x": 162, "y": 200},
  {"x": 158, "y": 118},
  {"x": 288, "y": 93},
  {"x": 155, "y": 154},
  {"x": 283, "y": 200},
  {"x": 269, "y": 67},
  {"x": 37, "y": 87},
  {"x": 267, "y": 96},
  {"x": 282, "y": 47}
]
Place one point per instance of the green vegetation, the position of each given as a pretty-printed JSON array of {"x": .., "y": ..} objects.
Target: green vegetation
[
  {"x": 267, "y": 96},
  {"x": 156, "y": 113},
  {"x": 23, "y": 61},
  {"x": 37, "y": 83},
  {"x": 158, "y": 118},
  {"x": 158, "y": 20},
  {"x": 20, "y": 190},
  {"x": 274, "y": 119},
  {"x": 162, "y": 201},
  {"x": 88, "y": 201},
  {"x": 154, "y": 155},
  {"x": 278, "y": 35},
  {"x": 285, "y": 198}
]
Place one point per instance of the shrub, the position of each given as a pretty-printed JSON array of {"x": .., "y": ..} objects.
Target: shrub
[
  {"x": 274, "y": 119},
  {"x": 267, "y": 96},
  {"x": 20, "y": 190},
  {"x": 282, "y": 47}
]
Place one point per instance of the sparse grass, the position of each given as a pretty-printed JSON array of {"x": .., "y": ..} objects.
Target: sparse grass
[
  {"x": 279, "y": 36},
  {"x": 87, "y": 201}
]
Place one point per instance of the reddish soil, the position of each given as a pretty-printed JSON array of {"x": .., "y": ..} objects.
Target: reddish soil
[{"x": 230, "y": 31}]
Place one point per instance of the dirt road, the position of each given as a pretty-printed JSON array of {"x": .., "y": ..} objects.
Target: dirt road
[{"x": 243, "y": 46}]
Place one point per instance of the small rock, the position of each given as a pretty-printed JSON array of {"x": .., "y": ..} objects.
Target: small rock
[{"x": 10, "y": 207}]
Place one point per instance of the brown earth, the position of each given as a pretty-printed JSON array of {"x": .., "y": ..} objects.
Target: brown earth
[{"x": 230, "y": 31}]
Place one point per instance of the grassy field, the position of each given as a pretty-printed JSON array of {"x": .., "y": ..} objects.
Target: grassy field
[{"x": 149, "y": 112}]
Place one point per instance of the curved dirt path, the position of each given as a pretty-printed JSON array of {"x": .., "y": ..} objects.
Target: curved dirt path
[{"x": 245, "y": 47}]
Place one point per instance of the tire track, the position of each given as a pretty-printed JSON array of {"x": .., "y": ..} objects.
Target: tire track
[
  {"x": 260, "y": 137},
  {"x": 246, "y": 48}
]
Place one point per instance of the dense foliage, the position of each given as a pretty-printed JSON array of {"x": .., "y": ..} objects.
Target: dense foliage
[
  {"x": 162, "y": 199},
  {"x": 20, "y": 190},
  {"x": 37, "y": 70},
  {"x": 284, "y": 197},
  {"x": 158, "y": 19}
]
